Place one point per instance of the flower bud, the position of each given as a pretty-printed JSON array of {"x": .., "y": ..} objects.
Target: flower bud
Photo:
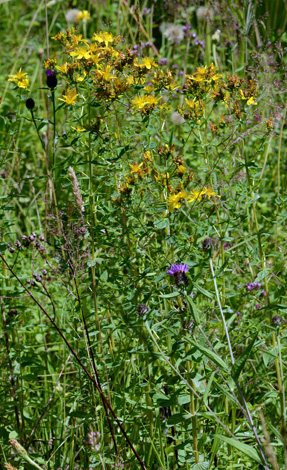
[{"x": 30, "y": 104}]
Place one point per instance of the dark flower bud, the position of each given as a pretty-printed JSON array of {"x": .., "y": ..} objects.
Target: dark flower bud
[
  {"x": 10, "y": 248},
  {"x": 207, "y": 244},
  {"x": 142, "y": 309},
  {"x": 52, "y": 81},
  {"x": 44, "y": 272},
  {"x": 276, "y": 320},
  {"x": 37, "y": 277},
  {"x": 12, "y": 312},
  {"x": 41, "y": 238},
  {"x": 18, "y": 244},
  {"x": 32, "y": 283},
  {"x": 32, "y": 237},
  {"x": 30, "y": 103},
  {"x": 180, "y": 279}
]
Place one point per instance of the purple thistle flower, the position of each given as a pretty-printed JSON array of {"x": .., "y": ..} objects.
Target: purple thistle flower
[
  {"x": 178, "y": 271},
  {"x": 50, "y": 73},
  {"x": 178, "y": 268}
]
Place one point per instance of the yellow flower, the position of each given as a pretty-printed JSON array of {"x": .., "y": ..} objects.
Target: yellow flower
[
  {"x": 70, "y": 97},
  {"x": 147, "y": 63},
  {"x": 251, "y": 101},
  {"x": 78, "y": 129},
  {"x": 105, "y": 37},
  {"x": 243, "y": 97},
  {"x": 181, "y": 169},
  {"x": 105, "y": 73},
  {"x": 191, "y": 103},
  {"x": 135, "y": 81},
  {"x": 63, "y": 68},
  {"x": 83, "y": 15},
  {"x": 197, "y": 195},
  {"x": 80, "y": 78},
  {"x": 20, "y": 79},
  {"x": 149, "y": 88},
  {"x": 174, "y": 201},
  {"x": 81, "y": 53},
  {"x": 147, "y": 156},
  {"x": 146, "y": 100},
  {"x": 137, "y": 169}
]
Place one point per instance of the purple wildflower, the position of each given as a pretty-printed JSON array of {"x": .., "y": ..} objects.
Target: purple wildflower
[
  {"x": 239, "y": 286},
  {"x": 191, "y": 294},
  {"x": 50, "y": 73},
  {"x": 253, "y": 285},
  {"x": 178, "y": 268},
  {"x": 146, "y": 11},
  {"x": 178, "y": 271},
  {"x": 258, "y": 307},
  {"x": 163, "y": 61},
  {"x": 238, "y": 313}
]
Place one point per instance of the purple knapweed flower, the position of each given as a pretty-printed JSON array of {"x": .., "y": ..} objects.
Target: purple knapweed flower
[
  {"x": 50, "y": 73},
  {"x": 163, "y": 61},
  {"x": 178, "y": 271},
  {"x": 253, "y": 285}
]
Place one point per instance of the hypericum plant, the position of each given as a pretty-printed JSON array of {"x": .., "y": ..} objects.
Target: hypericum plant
[{"x": 148, "y": 224}]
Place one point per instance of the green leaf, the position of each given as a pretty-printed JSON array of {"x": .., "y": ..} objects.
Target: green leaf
[
  {"x": 240, "y": 362},
  {"x": 209, "y": 353},
  {"x": 162, "y": 223},
  {"x": 246, "y": 449},
  {"x": 169, "y": 296},
  {"x": 208, "y": 387},
  {"x": 193, "y": 309},
  {"x": 203, "y": 291}
]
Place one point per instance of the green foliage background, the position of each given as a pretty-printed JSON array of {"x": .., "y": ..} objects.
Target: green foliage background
[{"x": 167, "y": 374}]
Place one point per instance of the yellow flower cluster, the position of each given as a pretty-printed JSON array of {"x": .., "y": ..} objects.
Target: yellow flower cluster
[
  {"x": 175, "y": 200},
  {"x": 20, "y": 79},
  {"x": 110, "y": 71}
]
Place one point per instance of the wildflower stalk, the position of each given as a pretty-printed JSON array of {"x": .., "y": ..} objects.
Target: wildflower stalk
[
  {"x": 283, "y": 399},
  {"x": 263, "y": 261},
  {"x": 192, "y": 410},
  {"x": 23, "y": 453},
  {"x": 80, "y": 363},
  {"x": 233, "y": 362}
]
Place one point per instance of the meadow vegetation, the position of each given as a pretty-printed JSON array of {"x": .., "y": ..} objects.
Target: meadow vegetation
[{"x": 143, "y": 235}]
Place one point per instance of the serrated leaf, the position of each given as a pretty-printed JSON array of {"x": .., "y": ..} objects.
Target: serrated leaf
[{"x": 246, "y": 449}]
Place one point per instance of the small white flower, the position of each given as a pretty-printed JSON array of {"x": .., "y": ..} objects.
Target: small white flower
[{"x": 72, "y": 15}]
